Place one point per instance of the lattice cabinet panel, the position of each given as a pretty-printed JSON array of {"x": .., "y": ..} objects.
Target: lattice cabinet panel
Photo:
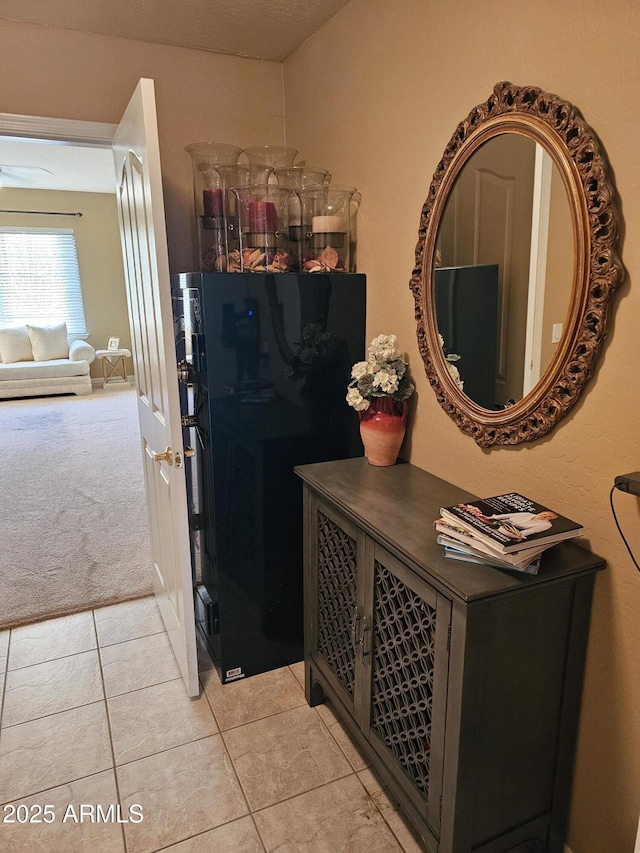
[
  {"x": 337, "y": 556},
  {"x": 403, "y": 659}
]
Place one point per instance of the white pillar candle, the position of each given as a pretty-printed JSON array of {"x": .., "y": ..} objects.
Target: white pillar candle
[{"x": 326, "y": 224}]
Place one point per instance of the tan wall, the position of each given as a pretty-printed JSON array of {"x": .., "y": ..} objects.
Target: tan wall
[
  {"x": 374, "y": 97},
  {"x": 200, "y": 96},
  {"x": 99, "y": 255}
]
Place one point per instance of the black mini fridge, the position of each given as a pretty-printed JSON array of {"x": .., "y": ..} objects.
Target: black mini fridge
[{"x": 264, "y": 362}]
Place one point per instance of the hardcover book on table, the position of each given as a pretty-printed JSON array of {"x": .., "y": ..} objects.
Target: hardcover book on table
[
  {"x": 526, "y": 560},
  {"x": 511, "y": 522},
  {"x": 468, "y": 556},
  {"x": 464, "y": 537}
]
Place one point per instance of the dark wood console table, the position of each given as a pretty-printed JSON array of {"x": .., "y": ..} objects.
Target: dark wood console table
[{"x": 460, "y": 682}]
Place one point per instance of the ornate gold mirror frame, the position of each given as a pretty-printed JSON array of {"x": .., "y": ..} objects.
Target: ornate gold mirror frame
[{"x": 597, "y": 270}]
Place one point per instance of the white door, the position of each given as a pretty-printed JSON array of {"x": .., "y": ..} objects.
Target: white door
[{"x": 144, "y": 247}]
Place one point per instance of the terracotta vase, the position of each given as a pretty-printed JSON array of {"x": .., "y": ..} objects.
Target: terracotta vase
[{"x": 382, "y": 429}]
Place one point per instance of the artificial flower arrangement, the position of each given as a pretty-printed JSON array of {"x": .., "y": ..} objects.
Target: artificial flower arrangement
[
  {"x": 383, "y": 374},
  {"x": 317, "y": 351},
  {"x": 453, "y": 370}
]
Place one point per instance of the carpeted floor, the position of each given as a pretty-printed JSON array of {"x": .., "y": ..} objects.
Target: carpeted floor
[{"x": 73, "y": 516}]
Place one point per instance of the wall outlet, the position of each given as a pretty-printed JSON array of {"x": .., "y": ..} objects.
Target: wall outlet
[{"x": 556, "y": 332}]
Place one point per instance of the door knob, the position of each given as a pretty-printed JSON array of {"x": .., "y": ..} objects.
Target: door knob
[{"x": 167, "y": 456}]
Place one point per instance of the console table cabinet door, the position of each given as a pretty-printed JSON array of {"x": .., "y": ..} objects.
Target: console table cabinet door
[
  {"x": 379, "y": 635},
  {"x": 336, "y": 557},
  {"x": 407, "y": 683}
]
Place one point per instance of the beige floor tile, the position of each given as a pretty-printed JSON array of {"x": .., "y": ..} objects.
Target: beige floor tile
[
  {"x": 157, "y": 718},
  {"x": 128, "y": 621},
  {"x": 240, "y": 836},
  {"x": 66, "y": 832},
  {"x": 252, "y": 698},
  {"x": 138, "y": 663},
  {"x": 46, "y": 688},
  {"x": 347, "y": 744},
  {"x": 185, "y": 790},
  {"x": 284, "y": 755},
  {"x": 389, "y": 808},
  {"x": 338, "y": 816},
  {"x": 298, "y": 670},
  {"x": 55, "y": 638},
  {"x": 53, "y": 750}
]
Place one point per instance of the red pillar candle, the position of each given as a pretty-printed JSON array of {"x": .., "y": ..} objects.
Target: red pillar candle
[
  {"x": 262, "y": 216},
  {"x": 212, "y": 202}
]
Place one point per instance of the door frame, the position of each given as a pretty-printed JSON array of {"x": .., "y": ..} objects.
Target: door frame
[
  {"x": 89, "y": 133},
  {"x": 73, "y": 132},
  {"x": 58, "y": 130}
]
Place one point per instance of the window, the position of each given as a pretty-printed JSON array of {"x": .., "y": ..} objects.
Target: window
[{"x": 39, "y": 278}]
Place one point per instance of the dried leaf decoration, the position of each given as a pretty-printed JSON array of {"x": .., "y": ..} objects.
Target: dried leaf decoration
[{"x": 327, "y": 261}]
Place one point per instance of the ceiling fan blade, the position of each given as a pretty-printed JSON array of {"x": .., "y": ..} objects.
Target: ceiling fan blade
[{"x": 15, "y": 175}]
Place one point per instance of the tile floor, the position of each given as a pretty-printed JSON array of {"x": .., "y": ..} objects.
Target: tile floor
[{"x": 96, "y": 730}]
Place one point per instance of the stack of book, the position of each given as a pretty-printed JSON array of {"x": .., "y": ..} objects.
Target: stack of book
[{"x": 506, "y": 532}]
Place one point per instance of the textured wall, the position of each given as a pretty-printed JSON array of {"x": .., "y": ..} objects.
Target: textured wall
[
  {"x": 200, "y": 96},
  {"x": 375, "y": 96}
]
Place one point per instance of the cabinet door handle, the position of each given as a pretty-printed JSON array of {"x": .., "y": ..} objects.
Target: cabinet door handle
[
  {"x": 354, "y": 630},
  {"x": 363, "y": 630}
]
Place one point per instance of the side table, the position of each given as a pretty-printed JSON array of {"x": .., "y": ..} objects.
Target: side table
[{"x": 114, "y": 367}]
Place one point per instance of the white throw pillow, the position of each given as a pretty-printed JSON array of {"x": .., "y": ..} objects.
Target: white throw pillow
[
  {"x": 15, "y": 345},
  {"x": 49, "y": 342}
]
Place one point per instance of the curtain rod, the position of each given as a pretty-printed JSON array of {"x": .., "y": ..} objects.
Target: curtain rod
[{"x": 42, "y": 212}]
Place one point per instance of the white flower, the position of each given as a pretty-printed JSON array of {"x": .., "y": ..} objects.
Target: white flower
[
  {"x": 359, "y": 370},
  {"x": 453, "y": 370},
  {"x": 386, "y": 380},
  {"x": 355, "y": 399},
  {"x": 383, "y": 374},
  {"x": 384, "y": 348},
  {"x": 455, "y": 373}
]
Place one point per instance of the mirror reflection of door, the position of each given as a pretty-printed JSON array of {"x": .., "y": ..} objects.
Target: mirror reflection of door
[
  {"x": 552, "y": 290},
  {"x": 493, "y": 217}
]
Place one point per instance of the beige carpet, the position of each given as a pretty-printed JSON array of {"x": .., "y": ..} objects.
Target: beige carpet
[{"x": 73, "y": 517}]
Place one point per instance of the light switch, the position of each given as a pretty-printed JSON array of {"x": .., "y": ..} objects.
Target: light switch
[{"x": 556, "y": 332}]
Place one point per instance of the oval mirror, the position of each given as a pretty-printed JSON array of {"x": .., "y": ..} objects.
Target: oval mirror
[{"x": 515, "y": 265}]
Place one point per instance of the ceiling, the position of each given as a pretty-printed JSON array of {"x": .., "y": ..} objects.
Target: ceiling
[
  {"x": 261, "y": 29},
  {"x": 26, "y": 164}
]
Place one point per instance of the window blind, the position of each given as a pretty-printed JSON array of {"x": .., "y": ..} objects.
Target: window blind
[{"x": 40, "y": 279}]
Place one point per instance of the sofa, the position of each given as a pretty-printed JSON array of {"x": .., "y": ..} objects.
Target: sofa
[{"x": 40, "y": 360}]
